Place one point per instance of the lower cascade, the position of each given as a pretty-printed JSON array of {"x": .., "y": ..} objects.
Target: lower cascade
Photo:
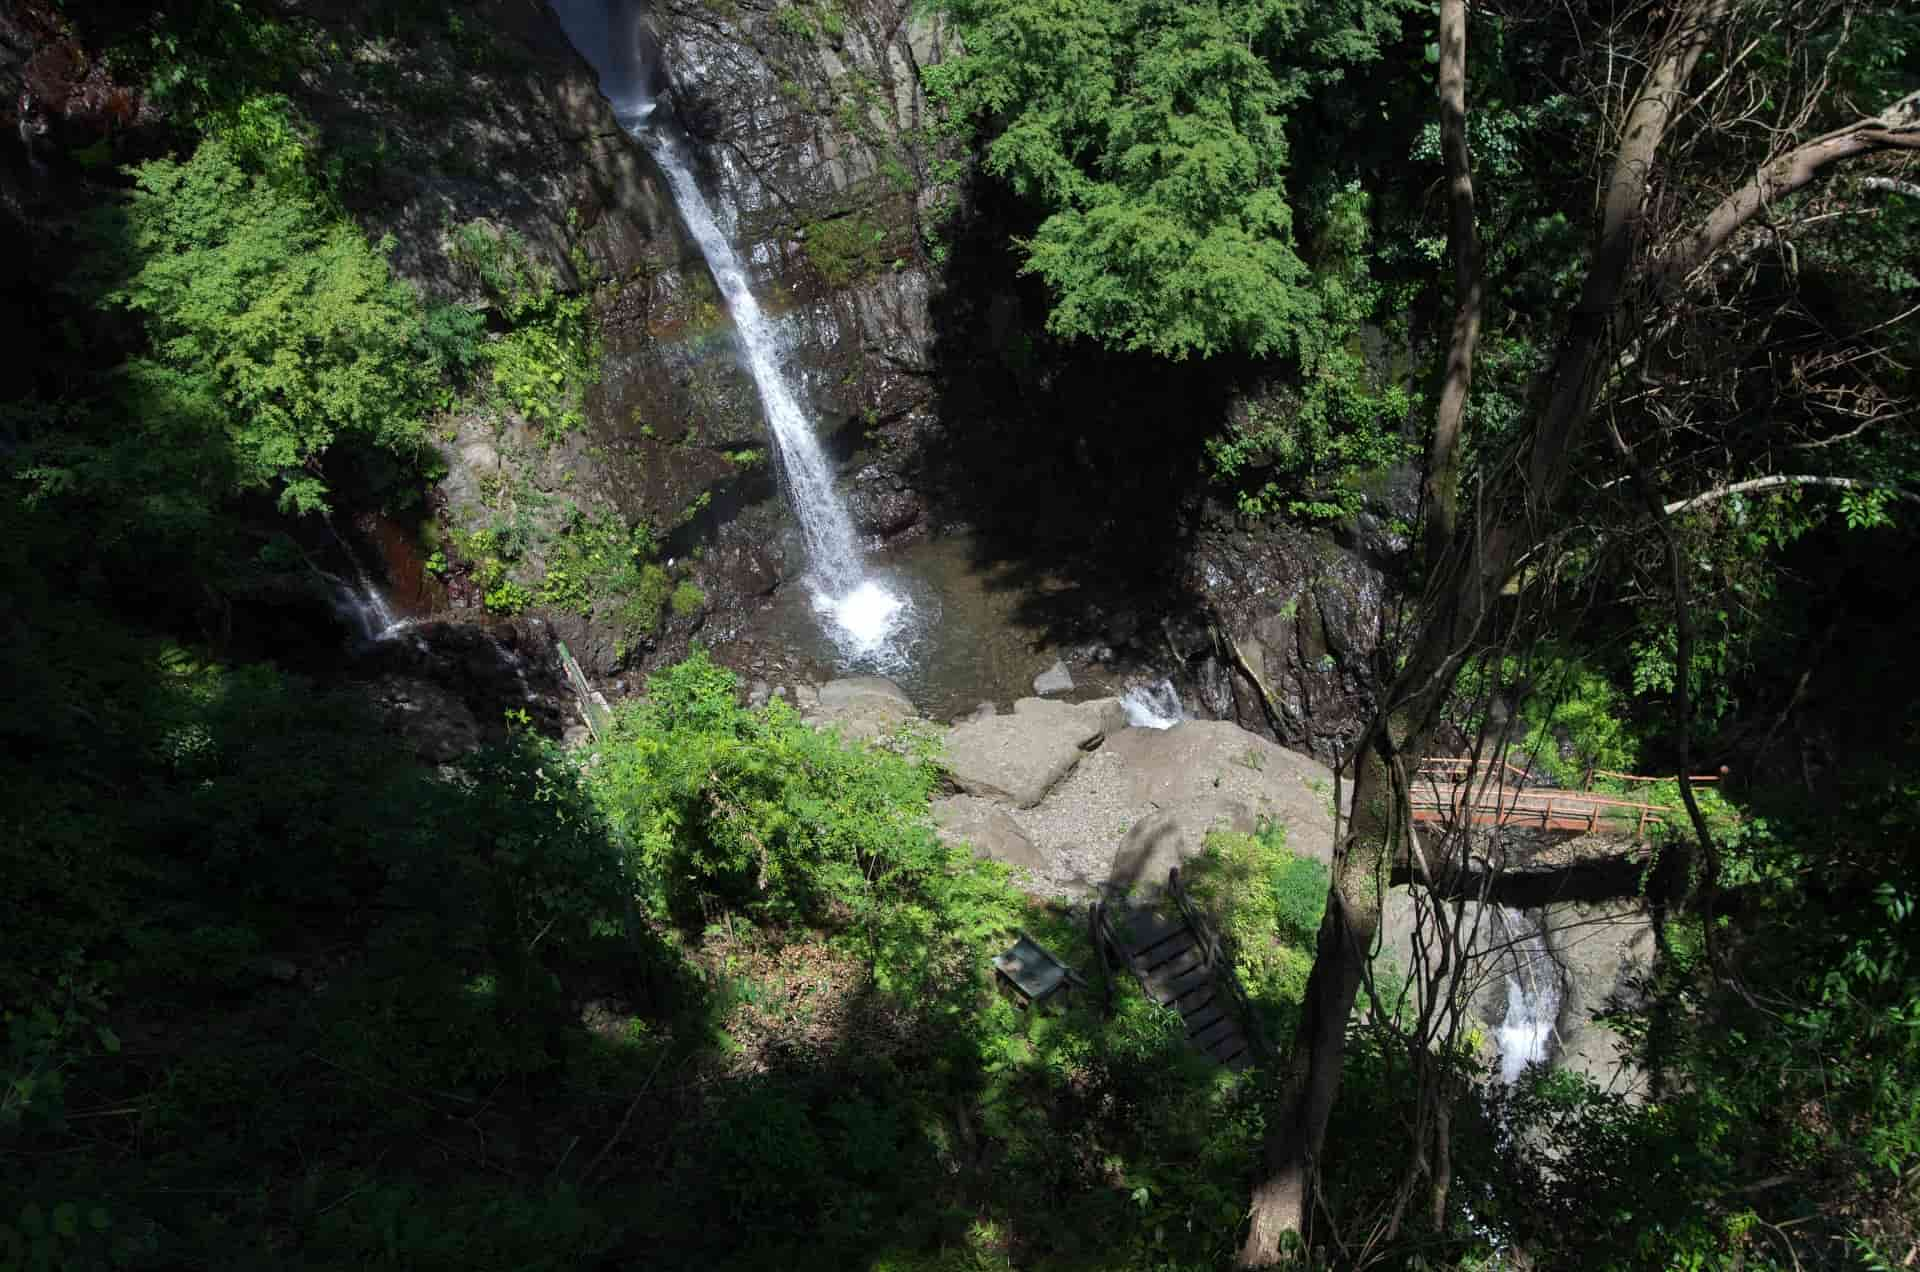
[
  {"x": 1153, "y": 706},
  {"x": 1525, "y": 1034},
  {"x": 861, "y": 613}
]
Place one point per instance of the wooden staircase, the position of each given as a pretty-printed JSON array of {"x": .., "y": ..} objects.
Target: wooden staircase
[{"x": 1173, "y": 954}]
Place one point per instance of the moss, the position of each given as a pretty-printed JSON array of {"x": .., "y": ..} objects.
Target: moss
[
  {"x": 687, "y": 599},
  {"x": 639, "y": 612},
  {"x": 846, "y": 249},
  {"x": 1267, "y": 904}
]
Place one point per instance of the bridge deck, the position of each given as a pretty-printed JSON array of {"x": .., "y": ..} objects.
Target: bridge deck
[{"x": 1461, "y": 793}]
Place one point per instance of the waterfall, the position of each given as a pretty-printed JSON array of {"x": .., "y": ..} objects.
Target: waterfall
[
  {"x": 364, "y": 607},
  {"x": 862, "y": 613},
  {"x": 1153, "y": 706},
  {"x": 1525, "y": 1034}
]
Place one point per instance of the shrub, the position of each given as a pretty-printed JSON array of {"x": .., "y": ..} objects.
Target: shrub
[
  {"x": 846, "y": 249},
  {"x": 275, "y": 332},
  {"x": 543, "y": 365},
  {"x": 687, "y": 599},
  {"x": 1267, "y": 904},
  {"x": 756, "y": 812}
]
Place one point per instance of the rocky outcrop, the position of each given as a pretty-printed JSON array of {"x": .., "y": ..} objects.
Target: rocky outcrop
[
  {"x": 1120, "y": 816},
  {"x": 1304, "y": 612},
  {"x": 1602, "y": 950},
  {"x": 1173, "y": 836},
  {"x": 985, "y": 827},
  {"x": 1016, "y": 759},
  {"x": 861, "y": 707}
]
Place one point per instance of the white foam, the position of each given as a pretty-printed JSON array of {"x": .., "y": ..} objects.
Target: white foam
[
  {"x": 863, "y": 619},
  {"x": 1154, "y": 706}
]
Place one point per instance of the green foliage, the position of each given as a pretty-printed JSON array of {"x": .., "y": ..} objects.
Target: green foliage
[
  {"x": 755, "y": 811},
  {"x": 267, "y": 136},
  {"x": 1303, "y": 453},
  {"x": 1572, "y": 720},
  {"x": 275, "y": 332},
  {"x": 794, "y": 21},
  {"x": 1153, "y": 140},
  {"x": 549, "y": 357},
  {"x": 846, "y": 249},
  {"x": 508, "y": 597},
  {"x": 204, "y": 57},
  {"x": 1267, "y": 905},
  {"x": 597, "y": 559},
  {"x": 687, "y": 599}
]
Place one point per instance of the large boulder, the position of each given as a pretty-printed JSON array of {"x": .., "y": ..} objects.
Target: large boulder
[
  {"x": 985, "y": 829},
  {"x": 862, "y": 707},
  {"x": 1200, "y": 760},
  {"x": 1534, "y": 979},
  {"x": 1171, "y": 837},
  {"x": 1601, "y": 950},
  {"x": 432, "y": 720},
  {"x": 1016, "y": 759}
]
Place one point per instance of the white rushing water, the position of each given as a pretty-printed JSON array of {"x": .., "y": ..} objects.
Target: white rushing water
[
  {"x": 1154, "y": 706},
  {"x": 363, "y": 605},
  {"x": 860, "y": 612},
  {"x": 1525, "y": 1035}
]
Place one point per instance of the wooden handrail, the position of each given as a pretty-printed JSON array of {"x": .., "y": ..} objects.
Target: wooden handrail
[
  {"x": 1531, "y": 801},
  {"x": 1097, "y": 920},
  {"x": 1696, "y": 778},
  {"x": 1468, "y": 763}
]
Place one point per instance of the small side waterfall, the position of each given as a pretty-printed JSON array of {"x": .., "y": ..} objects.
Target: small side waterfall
[
  {"x": 1525, "y": 1035},
  {"x": 861, "y": 612},
  {"x": 1153, "y": 706},
  {"x": 361, "y": 601},
  {"x": 363, "y": 606}
]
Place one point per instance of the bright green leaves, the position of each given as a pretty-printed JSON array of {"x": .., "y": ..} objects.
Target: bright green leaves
[
  {"x": 275, "y": 330},
  {"x": 756, "y": 812},
  {"x": 1153, "y": 138},
  {"x": 544, "y": 364}
]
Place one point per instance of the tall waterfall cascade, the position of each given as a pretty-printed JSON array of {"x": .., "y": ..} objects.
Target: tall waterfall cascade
[{"x": 861, "y": 613}]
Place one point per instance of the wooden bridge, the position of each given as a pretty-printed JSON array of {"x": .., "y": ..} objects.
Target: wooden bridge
[{"x": 1465, "y": 792}]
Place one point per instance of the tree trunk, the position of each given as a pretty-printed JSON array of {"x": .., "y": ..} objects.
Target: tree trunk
[
  {"x": 1473, "y": 567},
  {"x": 1443, "y": 452}
]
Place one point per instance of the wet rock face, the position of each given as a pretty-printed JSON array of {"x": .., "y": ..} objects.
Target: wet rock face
[
  {"x": 492, "y": 117},
  {"x": 446, "y": 687},
  {"x": 1567, "y": 962},
  {"x": 1305, "y": 615},
  {"x": 809, "y": 124}
]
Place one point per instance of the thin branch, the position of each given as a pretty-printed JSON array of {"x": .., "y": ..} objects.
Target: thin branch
[{"x": 1782, "y": 480}]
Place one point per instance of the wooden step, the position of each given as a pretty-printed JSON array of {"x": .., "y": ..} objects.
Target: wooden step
[
  {"x": 1204, "y": 1019},
  {"x": 1140, "y": 930},
  {"x": 1174, "y": 962},
  {"x": 1167, "y": 990},
  {"x": 1212, "y": 1034},
  {"x": 1167, "y": 951},
  {"x": 1195, "y": 999}
]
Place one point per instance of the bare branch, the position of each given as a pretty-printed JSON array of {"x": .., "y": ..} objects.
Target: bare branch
[
  {"x": 1783, "y": 480},
  {"x": 1896, "y": 127}
]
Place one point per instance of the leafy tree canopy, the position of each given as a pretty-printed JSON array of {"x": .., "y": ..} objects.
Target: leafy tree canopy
[
  {"x": 282, "y": 325},
  {"x": 272, "y": 330},
  {"x": 1154, "y": 138}
]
